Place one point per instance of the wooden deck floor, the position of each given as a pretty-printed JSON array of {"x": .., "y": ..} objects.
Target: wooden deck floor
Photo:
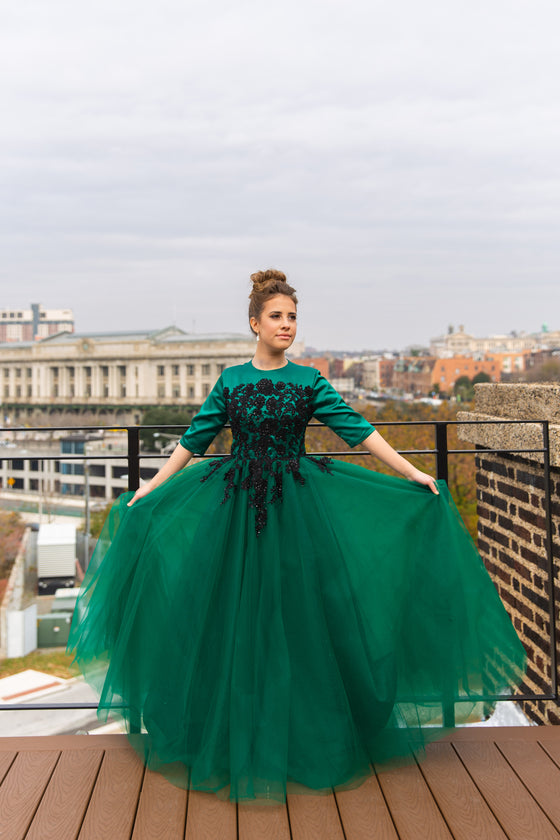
[{"x": 484, "y": 783}]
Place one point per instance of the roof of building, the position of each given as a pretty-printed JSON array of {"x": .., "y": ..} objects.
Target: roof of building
[{"x": 166, "y": 335}]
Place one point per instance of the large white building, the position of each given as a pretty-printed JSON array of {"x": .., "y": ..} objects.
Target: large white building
[
  {"x": 460, "y": 343},
  {"x": 30, "y": 324},
  {"x": 92, "y": 376}
]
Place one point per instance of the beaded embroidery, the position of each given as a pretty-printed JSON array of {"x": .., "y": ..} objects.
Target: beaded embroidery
[{"x": 268, "y": 422}]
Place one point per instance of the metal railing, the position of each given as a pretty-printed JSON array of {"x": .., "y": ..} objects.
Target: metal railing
[{"x": 440, "y": 452}]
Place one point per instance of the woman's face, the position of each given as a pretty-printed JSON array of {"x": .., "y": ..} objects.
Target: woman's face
[{"x": 277, "y": 324}]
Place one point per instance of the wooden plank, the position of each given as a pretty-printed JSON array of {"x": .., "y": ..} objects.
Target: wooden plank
[
  {"x": 496, "y": 734},
  {"x": 551, "y": 746},
  {"x": 463, "y": 807},
  {"x": 114, "y": 801},
  {"x": 61, "y": 742},
  {"x": 162, "y": 811},
  {"x": 7, "y": 757},
  {"x": 263, "y": 821},
  {"x": 209, "y": 817},
  {"x": 22, "y": 790},
  {"x": 364, "y": 813},
  {"x": 513, "y": 806},
  {"x": 539, "y": 774},
  {"x": 313, "y": 816},
  {"x": 67, "y": 796},
  {"x": 411, "y": 804}
]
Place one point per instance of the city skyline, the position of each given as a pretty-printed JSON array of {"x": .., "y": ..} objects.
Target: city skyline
[{"x": 451, "y": 329}]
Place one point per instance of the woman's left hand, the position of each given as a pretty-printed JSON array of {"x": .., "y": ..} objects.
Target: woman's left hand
[{"x": 423, "y": 478}]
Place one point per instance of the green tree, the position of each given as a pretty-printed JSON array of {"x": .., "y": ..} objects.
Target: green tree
[
  {"x": 97, "y": 520},
  {"x": 463, "y": 389},
  {"x": 12, "y": 527},
  {"x": 549, "y": 371},
  {"x": 481, "y": 376},
  {"x": 164, "y": 416}
]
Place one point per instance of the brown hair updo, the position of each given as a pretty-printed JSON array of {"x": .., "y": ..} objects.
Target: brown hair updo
[{"x": 267, "y": 284}]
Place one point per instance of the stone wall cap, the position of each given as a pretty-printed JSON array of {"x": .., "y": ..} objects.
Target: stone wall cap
[{"x": 519, "y": 400}]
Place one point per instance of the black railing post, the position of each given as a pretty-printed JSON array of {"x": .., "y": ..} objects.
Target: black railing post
[
  {"x": 133, "y": 433},
  {"x": 442, "y": 472},
  {"x": 550, "y": 557},
  {"x": 442, "y": 465}
]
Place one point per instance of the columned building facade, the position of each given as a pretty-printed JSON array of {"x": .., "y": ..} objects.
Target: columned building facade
[{"x": 78, "y": 378}]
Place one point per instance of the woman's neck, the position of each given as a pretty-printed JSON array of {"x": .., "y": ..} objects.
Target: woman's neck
[{"x": 269, "y": 361}]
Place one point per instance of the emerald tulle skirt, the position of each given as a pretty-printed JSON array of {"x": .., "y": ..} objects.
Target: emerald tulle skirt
[{"x": 294, "y": 660}]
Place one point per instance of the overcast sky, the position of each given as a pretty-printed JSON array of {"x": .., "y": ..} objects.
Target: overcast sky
[{"x": 398, "y": 160}]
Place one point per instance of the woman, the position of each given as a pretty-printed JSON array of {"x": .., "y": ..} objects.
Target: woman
[{"x": 276, "y": 621}]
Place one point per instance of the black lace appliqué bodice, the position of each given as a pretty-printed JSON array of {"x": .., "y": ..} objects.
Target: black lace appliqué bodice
[{"x": 268, "y": 422}]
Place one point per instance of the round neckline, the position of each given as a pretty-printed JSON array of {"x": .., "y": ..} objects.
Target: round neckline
[{"x": 268, "y": 370}]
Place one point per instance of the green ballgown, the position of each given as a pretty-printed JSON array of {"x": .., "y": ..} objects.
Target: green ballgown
[{"x": 273, "y": 621}]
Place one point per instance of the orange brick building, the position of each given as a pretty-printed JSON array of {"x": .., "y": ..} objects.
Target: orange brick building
[
  {"x": 321, "y": 364},
  {"x": 447, "y": 371}
]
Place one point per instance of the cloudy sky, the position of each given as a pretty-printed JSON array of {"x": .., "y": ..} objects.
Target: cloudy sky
[{"x": 400, "y": 161}]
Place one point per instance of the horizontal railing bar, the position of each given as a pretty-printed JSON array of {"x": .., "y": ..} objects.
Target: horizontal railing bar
[
  {"x": 156, "y": 455},
  {"x": 119, "y": 427},
  {"x": 20, "y": 707}
]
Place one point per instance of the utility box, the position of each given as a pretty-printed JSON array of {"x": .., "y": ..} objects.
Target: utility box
[
  {"x": 53, "y": 629},
  {"x": 21, "y": 631},
  {"x": 65, "y": 600},
  {"x": 56, "y": 557}
]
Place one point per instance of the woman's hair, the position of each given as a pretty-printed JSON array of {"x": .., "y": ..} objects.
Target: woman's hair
[{"x": 266, "y": 284}]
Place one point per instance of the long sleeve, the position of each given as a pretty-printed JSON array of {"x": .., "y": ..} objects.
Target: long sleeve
[
  {"x": 206, "y": 424},
  {"x": 330, "y": 408}
]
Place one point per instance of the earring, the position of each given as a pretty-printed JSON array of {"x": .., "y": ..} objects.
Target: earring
[{"x": 257, "y": 336}]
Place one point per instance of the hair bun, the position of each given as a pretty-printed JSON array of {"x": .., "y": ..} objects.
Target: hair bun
[{"x": 261, "y": 279}]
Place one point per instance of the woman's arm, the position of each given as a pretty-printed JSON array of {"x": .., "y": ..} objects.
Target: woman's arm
[
  {"x": 178, "y": 459},
  {"x": 379, "y": 447}
]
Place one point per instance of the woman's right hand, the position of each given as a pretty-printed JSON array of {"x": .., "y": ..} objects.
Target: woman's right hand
[{"x": 140, "y": 493}]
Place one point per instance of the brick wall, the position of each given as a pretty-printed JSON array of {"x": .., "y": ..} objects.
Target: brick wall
[
  {"x": 512, "y": 542},
  {"x": 512, "y": 522}
]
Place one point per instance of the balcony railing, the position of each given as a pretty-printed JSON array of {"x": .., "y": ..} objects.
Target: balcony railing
[{"x": 440, "y": 452}]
